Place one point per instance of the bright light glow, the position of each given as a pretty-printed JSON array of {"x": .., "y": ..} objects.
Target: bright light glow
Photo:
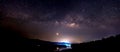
[
  {"x": 64, "y": 40},
  {"x": 57, "y": 34},
  {"x": 57, "y": 48},
  {"x": 72, "y": 25}
]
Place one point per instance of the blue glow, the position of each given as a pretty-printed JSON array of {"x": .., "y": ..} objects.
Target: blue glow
[{"x": 64, "y": 43}]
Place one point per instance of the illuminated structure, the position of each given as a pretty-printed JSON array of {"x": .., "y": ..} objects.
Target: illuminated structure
[{"x": 64, "y": 45}]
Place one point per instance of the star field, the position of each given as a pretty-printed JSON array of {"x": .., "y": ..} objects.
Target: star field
[{"x": 55, "y": 20}]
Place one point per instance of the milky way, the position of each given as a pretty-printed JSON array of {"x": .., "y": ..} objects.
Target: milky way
[{"x": 55, "y": 20}]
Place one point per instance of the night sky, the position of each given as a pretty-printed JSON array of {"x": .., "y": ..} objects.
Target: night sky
[{"x": 62, "y": 20}]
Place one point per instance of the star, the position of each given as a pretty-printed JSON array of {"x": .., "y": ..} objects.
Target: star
[{"x": 57, "y": 34}]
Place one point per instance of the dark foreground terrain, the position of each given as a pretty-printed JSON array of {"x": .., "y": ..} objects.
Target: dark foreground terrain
[{"x": 13, "y": 41}]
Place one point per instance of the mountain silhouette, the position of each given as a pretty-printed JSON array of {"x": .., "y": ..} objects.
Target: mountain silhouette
[
  {"x": 109, "y": 44},
  {"x": 12, "y": 39}
]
